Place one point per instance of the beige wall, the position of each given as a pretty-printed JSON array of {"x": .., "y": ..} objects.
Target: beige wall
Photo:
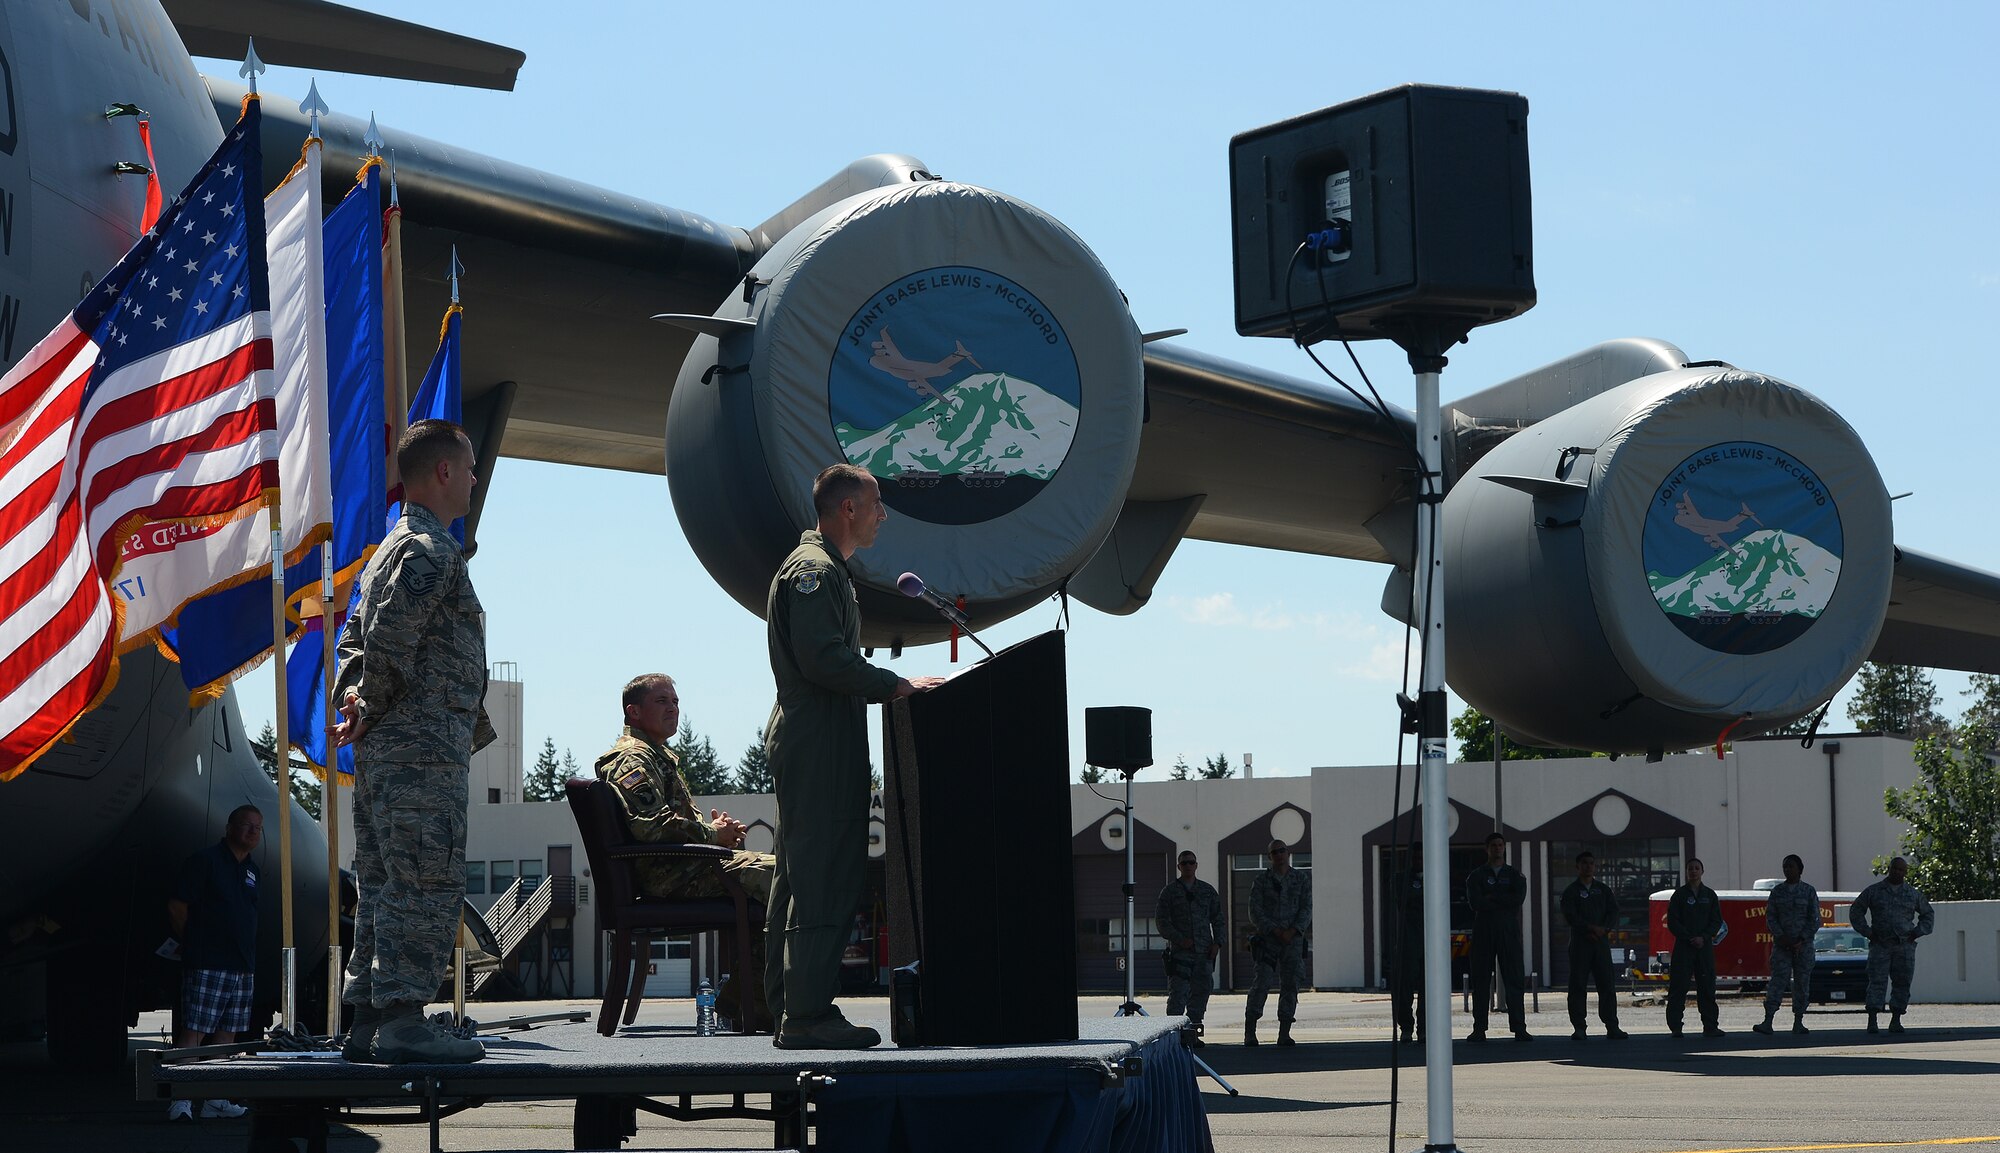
[{"x": 1960, "y": 960}]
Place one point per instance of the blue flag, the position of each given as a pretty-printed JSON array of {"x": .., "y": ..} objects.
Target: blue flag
[
  {"x": 439, "y": 398},
  {"x": 353, "y": 237}
]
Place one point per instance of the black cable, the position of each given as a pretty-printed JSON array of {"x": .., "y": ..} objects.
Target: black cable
[{"x": 1093, "y": 788}]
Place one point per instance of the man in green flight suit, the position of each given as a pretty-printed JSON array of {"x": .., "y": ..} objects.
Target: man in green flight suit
[
  {"x": 817, "y": 741},
  {"x": 659, "y": 809}
]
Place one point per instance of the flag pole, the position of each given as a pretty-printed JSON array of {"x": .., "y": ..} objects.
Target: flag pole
[{"x": 281, "y": 748}]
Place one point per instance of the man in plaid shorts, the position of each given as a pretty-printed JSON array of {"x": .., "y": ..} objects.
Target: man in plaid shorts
[{"x": 214, "y": 916}]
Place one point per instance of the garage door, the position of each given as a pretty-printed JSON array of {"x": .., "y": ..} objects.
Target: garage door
[{"x": 1100, "y": 921}]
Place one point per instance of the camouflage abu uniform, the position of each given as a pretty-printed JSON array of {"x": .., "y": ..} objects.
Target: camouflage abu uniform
[
  {"x": 415, "y": 651},
  {"x": 1189, "y": 912},
  {"x": 1279, "y": 903},
  {"x": 1892, "y": 917},
  {"x": 1791, "y": 913},
  {"x": 817, "y": 741},
  {"x": 1406, "y": 965},
  {"x": 659, "y": 810}
]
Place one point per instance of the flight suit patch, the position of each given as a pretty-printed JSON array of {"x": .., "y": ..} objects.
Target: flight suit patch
[{"x": 807, "y": 582}]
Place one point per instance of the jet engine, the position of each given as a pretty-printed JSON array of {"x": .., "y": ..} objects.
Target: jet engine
[
  {"x": 1697, "y": 552},
  {"x": 964, "y": 347}
]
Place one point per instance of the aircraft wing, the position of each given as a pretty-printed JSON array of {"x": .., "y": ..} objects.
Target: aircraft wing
[
  {"x": 318, "y": 34},
  {"x": 570, "y": 355},
  {"x": 1280, "y": 462},
  {"x": 1942, "y": 615}
]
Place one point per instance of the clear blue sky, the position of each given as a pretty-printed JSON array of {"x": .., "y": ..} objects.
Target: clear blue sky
[{"x": 1806, "y": 191}]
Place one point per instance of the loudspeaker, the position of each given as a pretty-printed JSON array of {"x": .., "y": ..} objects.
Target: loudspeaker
[
  {"x": 1412, "y": 202},
  {"x": 979, "y": 888},
  {"x": 1118, "y": 737}
]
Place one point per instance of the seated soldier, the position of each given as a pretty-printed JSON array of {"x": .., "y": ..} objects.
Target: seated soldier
[{"x": 658, "y": 808}]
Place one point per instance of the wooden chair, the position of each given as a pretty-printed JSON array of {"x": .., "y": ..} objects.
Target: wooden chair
[{"x": 633, "y": 919}]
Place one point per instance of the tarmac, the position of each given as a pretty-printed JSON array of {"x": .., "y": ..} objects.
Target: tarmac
[{"x": 1835, "y": 1088}]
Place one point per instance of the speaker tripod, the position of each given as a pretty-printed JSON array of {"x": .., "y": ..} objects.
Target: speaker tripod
[{"x": 1131, "y": 1007}]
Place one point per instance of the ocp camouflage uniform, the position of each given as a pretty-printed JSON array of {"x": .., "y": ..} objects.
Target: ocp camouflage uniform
[
  {"x": 1791, "y": 912},
  {"x": 1279, "y": 903},
  {"x": 1892, "y": 917},
  {"x": 415, "y": 651},
  {"x": 817, "y": 742},
  {"x": 1189, "y": 912},
  {"x": 660, "y": 810}
]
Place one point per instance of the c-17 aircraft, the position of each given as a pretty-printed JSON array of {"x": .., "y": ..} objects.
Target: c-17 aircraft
[
  {"x": 918, "y": 374},
  {"x": 1100, "y": 438}
]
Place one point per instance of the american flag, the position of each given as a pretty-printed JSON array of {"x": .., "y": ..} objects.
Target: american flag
[{"x": 149, "y": 403}]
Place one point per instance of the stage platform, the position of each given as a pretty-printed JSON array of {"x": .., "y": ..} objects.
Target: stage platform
[{"x": 1127, "y": 1084}]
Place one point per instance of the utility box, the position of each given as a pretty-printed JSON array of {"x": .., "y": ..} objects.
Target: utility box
[{"x": 1352, "y": 221}]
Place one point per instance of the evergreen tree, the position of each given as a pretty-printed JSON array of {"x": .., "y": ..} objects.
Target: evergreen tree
[
  {"x": 1216, "y": 768},
  {"x": 1953, "y": 813},
  {"x": 1985, "y": 707},
  {"x": 753, "y": 770},
  {"x": 1896, "y": 699},
  {"x": 1181, "y": 771},
  {"x": 1474, "y": 733},
  {"x": 305, "y": 786},
  {"x": 700, "y": 767},
  {"x": 1092, "y": 775},
  {"x": 544, "y": 780}
]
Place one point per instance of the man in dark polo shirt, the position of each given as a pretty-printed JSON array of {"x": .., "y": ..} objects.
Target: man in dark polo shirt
[{"x": 214, "y": 915}]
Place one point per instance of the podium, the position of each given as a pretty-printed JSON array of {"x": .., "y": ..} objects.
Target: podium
[{"x": 977, "y": 813}]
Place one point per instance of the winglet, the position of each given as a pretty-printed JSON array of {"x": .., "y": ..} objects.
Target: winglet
[{"x": 717, "y": 326}]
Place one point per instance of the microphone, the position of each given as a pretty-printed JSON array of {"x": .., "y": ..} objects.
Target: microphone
[{"x": 912, "y": 585}]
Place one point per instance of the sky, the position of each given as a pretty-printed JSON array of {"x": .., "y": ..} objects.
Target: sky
[{"x": 1803, "y": 191}]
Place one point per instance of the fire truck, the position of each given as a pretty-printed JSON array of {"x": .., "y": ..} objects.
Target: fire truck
[{"x": 1743, "y": 948}]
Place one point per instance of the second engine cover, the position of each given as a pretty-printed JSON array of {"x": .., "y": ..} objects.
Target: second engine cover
[
  {"x": 1695, "y": 549},
  {"x": 967, "y": 350}
]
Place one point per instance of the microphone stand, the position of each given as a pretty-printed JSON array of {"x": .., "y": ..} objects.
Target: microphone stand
[
  {"x": 1131, "y": 1007},
  {"x": 951, "y": 614}
]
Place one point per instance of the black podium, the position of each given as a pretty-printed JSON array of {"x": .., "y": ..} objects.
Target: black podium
[{"x": 976, "y": 804}]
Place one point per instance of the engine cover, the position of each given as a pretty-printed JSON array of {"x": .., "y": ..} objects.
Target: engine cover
[
  {"x": 961, "y": 345},
  {"x": 1693, "y": 550}
]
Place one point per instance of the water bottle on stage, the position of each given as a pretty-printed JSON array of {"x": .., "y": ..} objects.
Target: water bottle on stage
[{"x": 704, "y": 1010}]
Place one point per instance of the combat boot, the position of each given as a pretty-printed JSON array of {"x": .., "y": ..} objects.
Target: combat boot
[
  {"x": 361, "y": 1036},
  {"x": 829, "y": 1032},
  {"x": 1872, "y": 1026},
  {"x": 1895, "y": 1021},
  {"x": 1285, "y": 1033},
  {"x": 1764, "y": 1026},
  {"x": 406, "y": 1037},
  {"x": 1250, "y": 1031},
  {"x": 1799, "y": 1025}
]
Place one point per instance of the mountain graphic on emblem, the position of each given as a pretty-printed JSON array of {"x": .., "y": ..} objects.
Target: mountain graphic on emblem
[
  {"x": 983, "y": 429},
  {"x": 1769, "y": 572}
]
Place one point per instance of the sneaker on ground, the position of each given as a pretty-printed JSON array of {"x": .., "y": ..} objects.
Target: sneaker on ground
[
  {"x": 180, "y": 1111},
  {"x": 212, "y": 1109}
]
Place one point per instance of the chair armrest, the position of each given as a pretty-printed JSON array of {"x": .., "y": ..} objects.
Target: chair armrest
[{"x": 642, "y": 850}]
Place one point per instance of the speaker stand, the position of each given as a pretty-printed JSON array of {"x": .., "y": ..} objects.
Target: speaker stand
[{"x": 1131, "y": 1007}]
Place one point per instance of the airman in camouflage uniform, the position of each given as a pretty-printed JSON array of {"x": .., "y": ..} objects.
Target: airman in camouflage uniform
[
  {"x": 1406, "y": 966},
  {"x": 817, "y": 742},
  {"x": 411, "y": 680},
  {"x": 1694, "y": 918},
  {"x": 1281, "y": 914},
  {"x": 659, "y": 810},
  {"x": 1892, "y": 914},
  {"x": 1791, "y": 916},
  {"x": 1189, "y": 915}
]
